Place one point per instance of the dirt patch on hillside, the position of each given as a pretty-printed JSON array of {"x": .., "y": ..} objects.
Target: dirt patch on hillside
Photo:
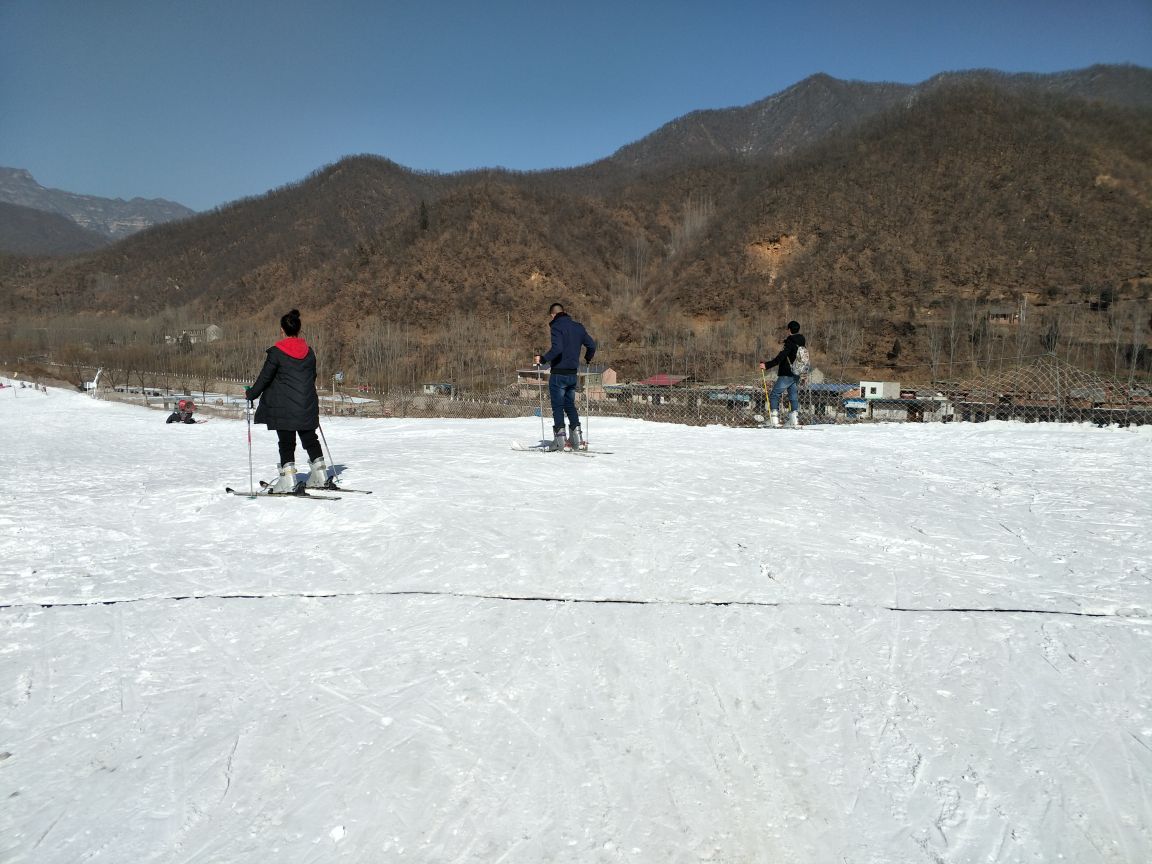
[{"x": 770, "y": 256}]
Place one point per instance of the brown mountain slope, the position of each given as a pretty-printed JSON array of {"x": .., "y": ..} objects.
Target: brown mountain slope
[
  {"x": 971, "y": 191},
  {"x": 811, "y": 109}
]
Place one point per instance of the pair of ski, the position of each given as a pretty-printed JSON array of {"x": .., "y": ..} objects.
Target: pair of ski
[
  {"x": 301, "y": 491},
  {"x": 762, "y": 423},
  {"x": 545, "y": 447}
]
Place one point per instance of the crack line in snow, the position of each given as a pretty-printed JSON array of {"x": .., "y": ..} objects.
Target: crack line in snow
[
  {"x": 1138, "y": 616},
  {"x": 228, "y": 769}
]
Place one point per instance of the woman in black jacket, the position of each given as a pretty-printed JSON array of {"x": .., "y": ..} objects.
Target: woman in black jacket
[{"x": 286, "y": 388}]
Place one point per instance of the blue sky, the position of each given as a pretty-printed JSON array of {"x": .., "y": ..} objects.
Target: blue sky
[{"x": 206, "y": 101}]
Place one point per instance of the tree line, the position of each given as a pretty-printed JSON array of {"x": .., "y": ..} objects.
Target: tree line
[
  {"x": 957, "y": 340},
  {"x": 881, "y": 240}
]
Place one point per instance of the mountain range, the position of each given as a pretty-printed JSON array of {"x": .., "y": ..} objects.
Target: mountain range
[
  {"x": 820, "y": 105},
  {"x": 108, "y": 218},
  {"x": 883, "y": 202}
]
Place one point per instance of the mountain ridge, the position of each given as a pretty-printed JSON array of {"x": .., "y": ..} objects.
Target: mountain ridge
[
  {"x": 972, "y": 192},
  {"x": 114, "y": 218},
  {"x": 775, "y": 126}
]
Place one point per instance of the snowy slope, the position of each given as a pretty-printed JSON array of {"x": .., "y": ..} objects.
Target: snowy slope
[{"x": 940, "y": 650}]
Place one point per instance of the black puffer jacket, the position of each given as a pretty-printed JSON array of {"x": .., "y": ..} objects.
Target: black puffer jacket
[
  {"x": 786, "y": 356},
  {"x": 286, "y": 387}
]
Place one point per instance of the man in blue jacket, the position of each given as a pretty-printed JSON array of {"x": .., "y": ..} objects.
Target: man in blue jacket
[{"x": 564, "y": 357}]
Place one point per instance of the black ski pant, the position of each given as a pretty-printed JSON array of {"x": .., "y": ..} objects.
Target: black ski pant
[{"x": 288, "y": 444}]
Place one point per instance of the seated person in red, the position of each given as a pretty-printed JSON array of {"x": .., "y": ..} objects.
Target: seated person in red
[{"x": 185, "y": 408}]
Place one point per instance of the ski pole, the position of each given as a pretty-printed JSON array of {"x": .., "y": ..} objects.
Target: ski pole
[
  {"x": 540, "y": 376},
  {"x": 764, "y": 380},
  {"x": 251, "y": 482},
  {"x": 587, "y": 409},
  {"x": 331, "y": 463}
]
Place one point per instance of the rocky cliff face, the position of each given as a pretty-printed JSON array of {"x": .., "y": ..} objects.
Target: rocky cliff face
[{"x": 112, "y": 217}]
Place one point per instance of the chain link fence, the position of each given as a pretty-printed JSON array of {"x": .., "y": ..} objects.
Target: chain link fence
[{"x": 1045, "y": 390}]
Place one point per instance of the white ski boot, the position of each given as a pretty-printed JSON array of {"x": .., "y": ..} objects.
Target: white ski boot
[
  {"x": 558, "y": 441},
  {"x": 793, "y": 420},
  {"x": 774, "y": 420},
  {"x": 317, "y": 473},
  {"x": 576, "y": 439},
  {"x": 286, "y": 483}
]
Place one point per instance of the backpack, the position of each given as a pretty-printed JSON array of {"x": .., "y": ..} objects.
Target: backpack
[{"x": 802, "y": 365}]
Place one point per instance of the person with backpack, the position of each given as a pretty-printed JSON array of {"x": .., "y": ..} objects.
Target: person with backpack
[
  {"x": 289, "y": 404},
  {"x": 568, "y": 336},
  {"x": 791, "y": 365}
]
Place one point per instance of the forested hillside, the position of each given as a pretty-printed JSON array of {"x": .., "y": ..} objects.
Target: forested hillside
[
  {"x": 969, "y": 196},
  {"x": 28, "y": 231}
]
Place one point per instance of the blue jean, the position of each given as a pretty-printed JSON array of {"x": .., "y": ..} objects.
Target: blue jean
[
  {"x": 785, "y": 382},
  {"x": 562, "y": 393}
]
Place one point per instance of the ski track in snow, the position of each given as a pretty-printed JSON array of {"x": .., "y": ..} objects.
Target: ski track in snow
[{"x": 939, "y": 653}]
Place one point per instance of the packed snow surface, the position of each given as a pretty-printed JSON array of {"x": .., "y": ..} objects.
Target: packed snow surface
[{"x": 895, "y": 643}]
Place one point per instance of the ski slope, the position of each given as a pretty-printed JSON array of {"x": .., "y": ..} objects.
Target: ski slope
[{"x": 894, "y": 643}]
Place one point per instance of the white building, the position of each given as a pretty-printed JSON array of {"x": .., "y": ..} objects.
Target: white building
[{"x": 880, "y": 389}]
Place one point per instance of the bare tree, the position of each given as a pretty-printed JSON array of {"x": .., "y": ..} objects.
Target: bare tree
[
  {"x": 75, "y": 360},
  {"x": 936, "y": 348},
  {"x": 696, "y": 213},
  {"x": 845, "y": 338},
  {"x": 955, "y": 333}
]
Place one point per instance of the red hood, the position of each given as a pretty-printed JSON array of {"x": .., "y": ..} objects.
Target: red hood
[{"x": 294, "y": 347}]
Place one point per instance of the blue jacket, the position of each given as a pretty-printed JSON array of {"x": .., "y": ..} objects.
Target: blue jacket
[{"x": 567, "y": 337}]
